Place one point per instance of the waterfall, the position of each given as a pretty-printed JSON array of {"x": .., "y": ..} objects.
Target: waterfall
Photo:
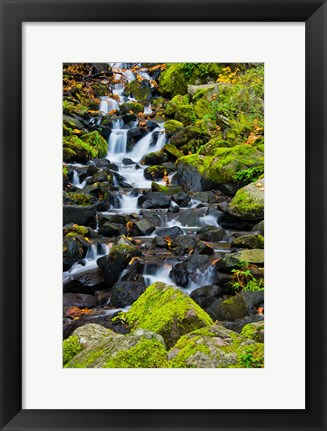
[
  {"x": 128, "y": 202},
  {"x": 76, "y": 181},
  {"x": 91, "y": 253},
  {"x": 117, "y": 144},
  {"x": 108, "y": 104}
]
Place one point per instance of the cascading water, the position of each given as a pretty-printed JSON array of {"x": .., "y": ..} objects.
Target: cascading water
[{"x": 107, "y": 104}]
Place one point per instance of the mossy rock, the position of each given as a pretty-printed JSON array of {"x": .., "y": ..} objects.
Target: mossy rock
[
  {"x": 202, "y": 108},
  {"x": 191, "y": 133},
  {"x": 156, "y": 172},
  {"x": 75, "y": 229},
  {"x": 155, "y": 158},
  {"x": 172, "y": 151},
  {"x": 218, "y": 171},
  {"x": 210, "y": 147},
  {"x": 135, "y": 107},
  {"x": 96, "y": 141},
  {"x": 254, "y": 331},
  {"x": 81, "y": 199},
  {"x": 93, "y": 346},
  {"x": 72, "y": 122},
  {"x": 171, "y": 126},
  {"x": 166, "y": 311},
  {"x": 71, "y": 108},
  {"x": 216, "y": 347},
  {"x": 139, "y": 90},
  {"x": 84, "y": 148},
  {"x": 249, "y": 241},
  {"x": 235, "y": 260},
  {"x": 173, "y": 80},
  {"x": 249, "y": 201},
  {"x": 180, "y": 109},
  {"x": 169, "y": 190}
]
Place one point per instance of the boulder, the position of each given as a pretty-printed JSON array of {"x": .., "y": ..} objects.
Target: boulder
[
  {"x": 84, "y": 216},
  {"x": 85, "y": 281},
  {"x": 125, "y": 293},
  {"x": 79, "y": 300},
  {"x": 249, "y": 241},
  {"x": 156, "y": 172},
  {"x": 259, "y": 228},
  {"x": 134, "y": 135},
  {"x": 171, "y": 126},
  {"x": 141, "y": 228},
  {"x": 184, "y": 272},
  {"x": 166, "y": 311},
  {"x": 169, "y": 231},
  {"x": 235, "y": 260},
  {"x": 216, "y": 347},
  {"x": 254, "y": 331},
  {"x": 73, "y": 249},
  {"x": 206, "y": 295},
  {"x": 153, "y": 200},
  {"x": 93, "y": 346},
  {"x": 212, "y": 233}
]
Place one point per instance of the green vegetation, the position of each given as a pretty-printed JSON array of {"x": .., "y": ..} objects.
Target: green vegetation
[{"x": 71, "y": 347}]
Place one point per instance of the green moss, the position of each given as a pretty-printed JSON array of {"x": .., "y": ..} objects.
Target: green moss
[
  {"x": 173, "y": 80},
  {"x": 210, "y": 147},
  {"x": 188, "y": 349},
  {"x": 180, "y": 109},
  {"x": 172, "y": 150},
  {"x": 123, "y": 249},
  {"x": 171, "y": 126},
  {"x": 131, "y": 106},
  {"x": 76, "y": 229},
  {"x": 71, "y": 107},
  {"x": 254, "y": 331},
  {"x": 249, "y": 200},
  {"x": 202, "y": 108},
  {"x": 139, "y": 91},
  {"x": 166, "y": 311},
  {"x": 80, "y": 198},
  {"x": 146, "y": 354},
  {"x": 250, "y": 356},
  {"x": 166, "y": 190},
  {"x": 71, "y": 347},
  {"x": 96, "y": 142}
]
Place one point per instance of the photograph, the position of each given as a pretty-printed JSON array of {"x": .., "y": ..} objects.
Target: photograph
[{"x": 163, "y": 215}]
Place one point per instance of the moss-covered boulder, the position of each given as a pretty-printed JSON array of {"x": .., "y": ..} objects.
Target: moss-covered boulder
[
  {"x": 173, "y": 80},
  {"x": 166, "y": 190},
  {"x": 76, "y": 198},
  {"x": 140, "y": 90},
  {"x": 156, "y": 172},
  {"x": 254, "y": 331},
  {"x": 219, "y": 171},
  {"x": 181, "y": 109},
  {"x": 93, "y": 346},
  {"x": 249, "y": 241},
  {"x": 72, "y": 122},
  {"x": 166, "y": 311},
  {"x": 249, "y": 201},
  {"x": 237, "y": 259},
  {"x": 216, "y": 347},
  {"x": 210, "y": 147},
  {"x": 84, "y": 148},
  {"x": 173, "y": 152},
  {"x": 171, "y": 126},
  {"x": 135, "y": 107}
]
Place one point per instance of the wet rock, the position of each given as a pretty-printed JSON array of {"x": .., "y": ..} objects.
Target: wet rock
[
  {"x": 121, "y": 181},
  {"x": 100, "y": 177},
  {"x": 182, "y": 199},
  {"x": 259, "y": 228},
  {"x": 206, "y": 295},
  {"x": 249, "y": 241},
  {"x": 74, "y": 229},
  {"x": 126, "y": 292},
  {"x": 73, "y": 250},
  {"x": 100, "y": 163},
  {"x": 152, "y": 217},
  {"x": 114, "y": 218},
  {"x": 212, "y": 233},
  {"x": 84, "y": 216},
  {"x": 85, "y": 281},
  {"x": 239, "y": 324},
  {"x": 229, "y": 310},
  {"x": 160, "y": 242},
  {"x": 167, "y": 311},
  {"x": 134, "y": 135},
  {"x": 141, "y": 228},
  {"x": 184, "y": 272},
  {"x": 112, "y": 229},
  {"x": 153, "y": 200},
  {"x": 79, "y": 300},
  {"x": 72, "y": 122},
  {"x": 151, "y": 125},
  {"x": 203, "y": 248},
  {"x": 126, "y": 161},
  {"x": 117, "y": 260},
  {"x": 183, "y": 245},
  {"x": 169, "y": 231},
  {"x": 156, "y": 158},
  {"x": 188, "y": 178}
]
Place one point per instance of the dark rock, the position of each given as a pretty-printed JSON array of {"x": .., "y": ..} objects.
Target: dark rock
[
  {"x": 85, "y": 281},
  {"x": 112, "y": 229},
  {"x": 126, "y": 292},
  {"x": 152, "y": 217},
  {"x": 229, "y": 310},
  {"x": 141, "y": 228},
  {"x": 235, "y": 260},
  {"x": 154, "y": 200},
  {"x": 156, "y": 172},
  {"x": 99, "y": 177},
  {"x": 184, "y": 272},
  {"x": 184, "y": 244},
  {"x": 182, "y": 199},
  {"x": 169, "y": 231},
  {"x": 114, "y": 218},
  {"x": 206, "y": 295},
  {"x": 126, "y": 161},
  {"x": 73, "y": 250},
  {"x": 259, "y": 228},
  {"x": 203, "y": 248},
  {"x": 188, "y": 178},
  {"x": 118, "y": 259},
  {"x": 212, "y": 233},
  {"x": 157, "y": 158},
  {"x": 160, "y": 242},
  {"x": 151, "y": 125},
  {"x": 134, "y": 135},
  {"x": 248, "y": 241},
  {"x": 238, "y": 325},
  {"x": 79, "y": 300},
  {"x": 100, "y": 163},
  {"x": 84, "y": 216}
]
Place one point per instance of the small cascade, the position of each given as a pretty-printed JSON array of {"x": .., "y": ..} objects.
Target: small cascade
[
  {"x": 147, "y": 110},
  {"x": 153, "y": 274},
  {"x": 162, "y": 139},
  {"x": 129, "y": 75},
  {"x": 76, "y": 181},
  {"x": 108, "y": 104},
  {"x": 201, "y": 279},
  {"x": 209, "y": 219},
  {"x": 91, "y": 253},
  {"x": 117, "y": 144},
  {"x": 128, "y": 202}
]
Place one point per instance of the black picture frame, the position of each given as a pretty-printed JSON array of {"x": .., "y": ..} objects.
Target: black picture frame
[{"x": 13, "y": 14}]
